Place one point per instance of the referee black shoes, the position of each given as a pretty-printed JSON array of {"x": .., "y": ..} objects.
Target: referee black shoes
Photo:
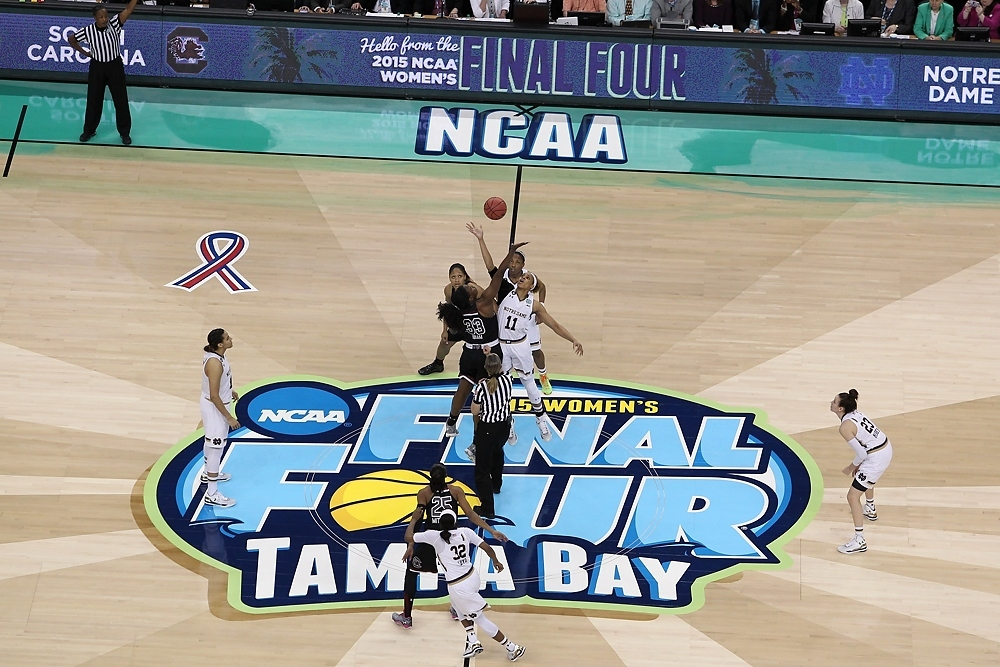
[
  {"x": 126, "y": 140},
  {"x": 87, "y": 136}
]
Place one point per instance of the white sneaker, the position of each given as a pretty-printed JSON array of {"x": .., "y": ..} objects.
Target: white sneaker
[
  {"x": 869, "y": 512},
  {"x": 472, "y": 649},
  {"x": 515, "y": 652},
  {"x": 543, "y": 428},
  {"x": 219, "y": 500},
  {"x": 451, "y": 430},
  {"x": 855, "y": 546},
  {"x": 223, "y": 477},
  {"x": 470, "y": 451},
  {"x": 512, "y": 438}
]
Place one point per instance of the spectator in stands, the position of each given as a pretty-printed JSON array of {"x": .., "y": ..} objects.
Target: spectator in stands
[
  {"x": 935, "y": 21},
  {"x": 755, "y": 15},
  {"x": 595, "y": 6},
  {"x": 897, "y": 16},
  {"x": 493, "y": 9},
  {"x": 627, "y": 10},
  {"x": 672, "y": 10},
  {"x": 713, "y": 13},
  {"x": 788, "y": 11},
  {"x": 381, "y": 6},
  {"x": 839, "y": 12},
  {"x": 981, "y": 13}
]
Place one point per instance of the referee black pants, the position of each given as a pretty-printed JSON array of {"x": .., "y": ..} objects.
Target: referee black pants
[
  {"x": 489, "y": 440},
  {"x": 112, "y": 75}
]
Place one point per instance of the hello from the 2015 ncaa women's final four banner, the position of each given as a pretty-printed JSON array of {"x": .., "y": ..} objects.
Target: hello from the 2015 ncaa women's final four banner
[{"x": 641, "y": 497}]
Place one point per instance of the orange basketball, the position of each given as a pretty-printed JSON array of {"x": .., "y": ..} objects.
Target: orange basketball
[{"x": 495, "y": 208}]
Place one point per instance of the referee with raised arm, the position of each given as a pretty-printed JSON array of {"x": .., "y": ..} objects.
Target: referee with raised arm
[
  {"x": 104, "y": 37},
  {"x": 491, "y": 410}
]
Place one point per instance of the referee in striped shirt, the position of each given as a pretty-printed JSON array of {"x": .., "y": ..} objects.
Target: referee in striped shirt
[
  {"x": 491, "y": 410},
  {"x": 104, "y": 37}
]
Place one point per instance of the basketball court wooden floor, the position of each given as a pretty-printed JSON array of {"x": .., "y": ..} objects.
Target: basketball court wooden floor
[{"x": 770, "y": 293}]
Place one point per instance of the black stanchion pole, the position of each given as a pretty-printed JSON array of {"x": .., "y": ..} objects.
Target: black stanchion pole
[
  {"x": 17, "y": 134},
  {"x": 513, "y": 213}
]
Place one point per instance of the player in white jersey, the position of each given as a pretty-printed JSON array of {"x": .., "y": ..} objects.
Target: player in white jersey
[
  {"x": 454, "y": 551},
  {"x": 216, "y": 394},
  {"x": 511, "y": 276},
  {"x": 873, "y": 452},
  {"x": 514, "y": 315}
]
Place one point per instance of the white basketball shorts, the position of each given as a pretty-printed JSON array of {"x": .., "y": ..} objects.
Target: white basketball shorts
[
  {"x": 518, "y": 357},
  {"x": 873, "y": 467},
  {"x": 216, "y": 426},
  {"x": 465, "y": 597},
  {"x": 534, "y": 335}
]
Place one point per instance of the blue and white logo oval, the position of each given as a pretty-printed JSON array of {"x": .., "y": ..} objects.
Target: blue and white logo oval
[{"x": 301, "y": 410}]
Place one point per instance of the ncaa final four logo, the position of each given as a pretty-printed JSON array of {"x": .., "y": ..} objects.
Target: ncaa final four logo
[{"x": 639, "y": 500}]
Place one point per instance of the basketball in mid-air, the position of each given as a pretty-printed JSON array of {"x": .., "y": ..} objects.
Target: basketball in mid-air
[{"x": 495, "y": 208}]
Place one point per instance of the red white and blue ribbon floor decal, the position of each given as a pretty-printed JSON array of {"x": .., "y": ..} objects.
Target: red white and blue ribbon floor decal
[{"x": 218, "y": 250}]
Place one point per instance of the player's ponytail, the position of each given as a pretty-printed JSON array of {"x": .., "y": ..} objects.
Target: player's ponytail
[
  {"x": 493, "y": 366},
  {"x": 451, "y": 316},
  {"x": 849, "y": 400},
  {"x": 447, "y": 523},
  {"x": 438, "y": 476},
  {"x": 215, "y": 337}
]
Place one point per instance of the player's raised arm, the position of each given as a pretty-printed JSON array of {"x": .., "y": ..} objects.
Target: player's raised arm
[
  {"x": 487, "y": 257},
  {"x": 494, "y": 286}
]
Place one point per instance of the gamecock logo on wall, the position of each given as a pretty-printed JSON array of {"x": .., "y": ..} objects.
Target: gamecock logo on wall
[{"x": 640, "y": 498}]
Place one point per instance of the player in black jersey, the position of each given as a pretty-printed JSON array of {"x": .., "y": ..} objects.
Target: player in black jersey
[
  {"x": 509, "y": 284},
  {"x": 432, "y": 501},
  {"x": 476, "y": 318}
]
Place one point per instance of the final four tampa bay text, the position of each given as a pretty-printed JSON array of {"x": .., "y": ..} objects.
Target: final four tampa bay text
[{"x": 641, "y": 498}]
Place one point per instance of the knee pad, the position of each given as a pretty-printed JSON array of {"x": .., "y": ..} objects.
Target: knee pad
[{"x": 488, "y": 626}]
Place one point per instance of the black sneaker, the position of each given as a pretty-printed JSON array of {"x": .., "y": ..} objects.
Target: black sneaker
[
  {"x": 436, "y": 366},
  {"x": 87, "y": 136},
  {"x": 126, "y": 140}
]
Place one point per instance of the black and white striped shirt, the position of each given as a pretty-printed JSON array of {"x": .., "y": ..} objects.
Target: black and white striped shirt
[
  {"x": 494, "y": 407},
  {"x": 105, "y": 45}
]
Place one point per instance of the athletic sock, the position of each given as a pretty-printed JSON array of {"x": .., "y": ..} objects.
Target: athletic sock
[
  {"x": 507, "y": 643},
  {"x": 859, "y": 532},
  {"x": 541, "y": 371},
  {"x": 451, "y": 420}
]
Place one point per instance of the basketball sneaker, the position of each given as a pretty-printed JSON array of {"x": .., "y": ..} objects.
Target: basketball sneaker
[
  {"x": 869, "y": 512},
  {"x": 223, "y": 477},
  {"x": 515, "y": 652},
  {"x": 451, "y": 430},
  {"x": 436, "y": 366},
  {"x": 543, "y": 428},
  {"x": 855, "y": 546},
  {"x": 546, "y": 385},
  {"x": 470, "y": 451},
  {"x": 512, "y": 438},
  {"x": 405, "y": 622},
  {"x": 454, "y": 614},
  {"x": 219, "y": 500},
  {"x": 472, "y": 649}
]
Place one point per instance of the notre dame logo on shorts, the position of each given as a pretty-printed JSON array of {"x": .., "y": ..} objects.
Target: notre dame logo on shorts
[{"x": 641, "y": 497}]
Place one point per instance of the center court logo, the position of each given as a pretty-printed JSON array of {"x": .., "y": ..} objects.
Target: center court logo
[{"x": 639, "y": 500}]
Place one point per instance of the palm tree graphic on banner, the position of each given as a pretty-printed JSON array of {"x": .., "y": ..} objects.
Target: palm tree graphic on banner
[
  {"x": 765, "y": 77},
  {"x": 283, "y": 57}
]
